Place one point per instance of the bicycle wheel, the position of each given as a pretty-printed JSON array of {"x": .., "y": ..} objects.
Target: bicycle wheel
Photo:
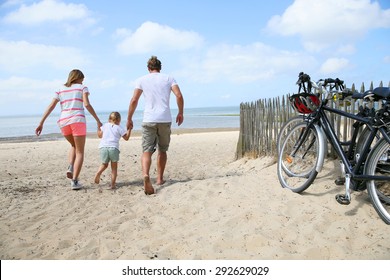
[
  {"x": 286, "y": 129},
  {"x": 378, "y": 163},
  {"x": 362, "y": 140},
  {"x": 298, "y": 158}
]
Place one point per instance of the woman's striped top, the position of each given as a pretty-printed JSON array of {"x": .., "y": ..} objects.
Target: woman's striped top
[{"x": 71, "y": 101}]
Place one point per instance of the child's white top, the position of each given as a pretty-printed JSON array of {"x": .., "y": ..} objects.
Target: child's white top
[{"x": 112, "y": 133}]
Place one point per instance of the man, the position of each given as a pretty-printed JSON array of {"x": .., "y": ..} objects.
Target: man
[{"x": 156, "y": 125}]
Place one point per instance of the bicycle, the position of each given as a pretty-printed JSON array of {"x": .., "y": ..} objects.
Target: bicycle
[
  {"x": 303, "y": 151},
  {"x": 303, "y": 79},
  {"x": 336, "y": 90}
]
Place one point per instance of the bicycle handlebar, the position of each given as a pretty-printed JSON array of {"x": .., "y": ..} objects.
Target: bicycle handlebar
[
  {"x": 336, "y": 82},
  {"x": 330, "y": 86},
  {"x": 332, "y": 83},
  {"x": 304, "y": 82}
]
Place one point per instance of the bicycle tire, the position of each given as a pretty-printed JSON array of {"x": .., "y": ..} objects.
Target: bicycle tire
[
  {"x": 362, "y": 140},
  {"x": 378, "y": 163},
  {"x": 297, "y": 163},
  {"x": 285, "y": 129}
]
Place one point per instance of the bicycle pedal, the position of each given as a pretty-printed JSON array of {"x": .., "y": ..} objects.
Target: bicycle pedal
[
  {"x": 340, "y": 181},
  {"x": 342, "y": 199}
]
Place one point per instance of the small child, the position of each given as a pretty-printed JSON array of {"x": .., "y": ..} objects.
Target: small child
[{"x": 111, "y": 133}]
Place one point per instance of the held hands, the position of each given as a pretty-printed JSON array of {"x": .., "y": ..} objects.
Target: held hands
[{"x": 129, "y": 124}]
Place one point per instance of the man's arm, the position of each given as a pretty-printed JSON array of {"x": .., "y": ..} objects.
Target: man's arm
[
  {"x": 132, "y": 106},
  {"x": 180, "y": 104}
]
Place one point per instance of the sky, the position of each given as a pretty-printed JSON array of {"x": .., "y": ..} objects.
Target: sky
[{"x": 220, "y": 52}]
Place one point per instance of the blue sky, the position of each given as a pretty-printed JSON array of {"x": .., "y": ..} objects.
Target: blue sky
[{"x": 221, "y": 52}]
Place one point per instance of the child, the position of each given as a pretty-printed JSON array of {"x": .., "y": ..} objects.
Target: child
[{"x": 111, "y": 133}]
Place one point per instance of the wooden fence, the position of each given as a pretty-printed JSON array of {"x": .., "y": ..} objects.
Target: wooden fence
[{"x": 260, "y": 122}]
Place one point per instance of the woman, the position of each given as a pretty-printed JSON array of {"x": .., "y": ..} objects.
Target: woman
[{"x": 73, "y": 97}]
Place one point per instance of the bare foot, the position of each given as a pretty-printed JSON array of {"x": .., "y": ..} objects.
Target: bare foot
[
  {"x": 148, "y": 186},
  {"x": 97, "y": 178},
  {"x": 160, "y": 183}
]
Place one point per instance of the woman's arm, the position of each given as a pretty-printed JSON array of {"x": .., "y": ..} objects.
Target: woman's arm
[
  {"x": 48, "y": 111},
  {"x": 90, "y": 109}
]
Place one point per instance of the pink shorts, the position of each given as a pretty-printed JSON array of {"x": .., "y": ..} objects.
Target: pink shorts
[{"x": 75, "y": 129}]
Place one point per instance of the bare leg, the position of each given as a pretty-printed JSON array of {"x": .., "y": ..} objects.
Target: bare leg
[
  {"x": 102, "y": 167},
  {"x": 146, "y": 162},
  {"x": 71, "y": 156},
  {"x": 161, "y": 163},
  {"x": 78, "y": 163},
  {"x": 114, "y": 173}
]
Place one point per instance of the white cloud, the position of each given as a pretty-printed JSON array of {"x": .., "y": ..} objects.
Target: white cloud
[
  {"x": 21, "y": 55},
  {"x": 28, "y": 90},
  {"x": 109, "y": 83},
  {"x": 152, "y": 36},
  {"x": 243, "y": 64},
  {"x": 20, "y": 84},
  {"x": 122, "y": 33},
  {"x": 347, "y": 49},
  {"x": 320, "y": 23},
  {"x": 48, "y": 11},
  {"x": 334, "y": 65}
]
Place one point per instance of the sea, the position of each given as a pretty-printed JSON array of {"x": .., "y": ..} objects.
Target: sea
[{"x": 194, "y": 118}]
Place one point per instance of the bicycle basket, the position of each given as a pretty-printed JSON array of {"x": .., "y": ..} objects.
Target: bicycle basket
[{"x": 305, "y": 103}]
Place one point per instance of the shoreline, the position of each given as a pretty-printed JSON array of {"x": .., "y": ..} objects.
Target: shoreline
[{"x": 92, "y": 135}]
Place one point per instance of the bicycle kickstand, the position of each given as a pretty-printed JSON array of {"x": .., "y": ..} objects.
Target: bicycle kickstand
[{"x": 345, "y": 199}]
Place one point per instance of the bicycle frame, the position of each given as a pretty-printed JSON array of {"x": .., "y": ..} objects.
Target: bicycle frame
[
  {"x": 331, "y": 136},
  {"x": 351, "y": 171}
]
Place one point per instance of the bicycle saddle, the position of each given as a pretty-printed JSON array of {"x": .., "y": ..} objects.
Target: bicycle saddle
[
  {"x": 376, "y": 94},
  {"x": 383, "y": 92}
]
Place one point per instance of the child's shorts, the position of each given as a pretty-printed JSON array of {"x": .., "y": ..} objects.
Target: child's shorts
[
  {"x": 108, "y": 154},
  {"x": 75, "y": 129}
]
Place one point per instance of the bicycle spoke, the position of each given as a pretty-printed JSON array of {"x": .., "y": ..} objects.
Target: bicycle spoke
[{"x": 298, "y": 158}]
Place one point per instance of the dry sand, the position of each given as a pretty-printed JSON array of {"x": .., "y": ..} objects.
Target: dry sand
[{"x": 211, "y": 207}]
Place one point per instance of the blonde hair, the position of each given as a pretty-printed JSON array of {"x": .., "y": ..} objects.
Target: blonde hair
[
  {"x": 154, "y": 63},
  {"x": 114, "y": 117},
  {"x": 74, "y": 75}
]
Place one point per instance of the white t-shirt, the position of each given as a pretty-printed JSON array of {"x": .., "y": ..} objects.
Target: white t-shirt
[
  {"x": 112, "y": 133},
  {"x": 156, "y": 88}
]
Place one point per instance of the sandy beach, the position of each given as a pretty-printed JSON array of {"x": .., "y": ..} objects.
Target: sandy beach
[{"x": 211, "y": 207}]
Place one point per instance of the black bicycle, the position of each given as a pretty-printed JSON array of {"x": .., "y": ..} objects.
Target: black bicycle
[{"x": 304, "y": 149}]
